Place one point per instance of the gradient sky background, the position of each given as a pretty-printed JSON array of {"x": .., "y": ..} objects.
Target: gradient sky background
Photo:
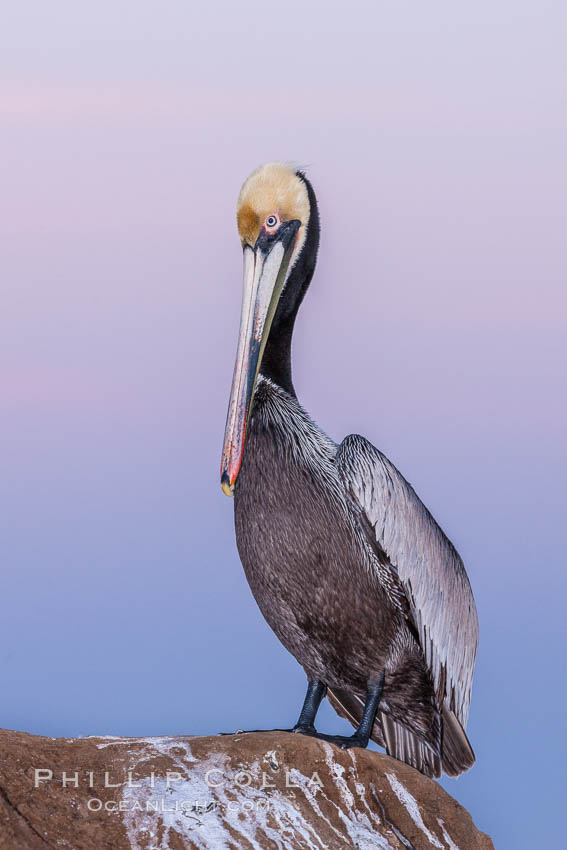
[{"x": 435, "y": 136}]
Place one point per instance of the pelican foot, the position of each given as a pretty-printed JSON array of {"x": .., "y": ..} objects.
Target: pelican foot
[
  {"x": 252, "y": 731},
  {"x": 301, "y": 728},
  {"x": 345, "y": 742}
]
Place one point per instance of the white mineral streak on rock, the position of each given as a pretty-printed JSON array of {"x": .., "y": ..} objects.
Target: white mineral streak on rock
[
  {"x": 362, "y": 792},
  {"x": 450, "y": 843},
  {"x": 407, "y": 800},
  {"x": 156, "y": 743},
  {"x": 359, "y": 826},
  {"x": 305, "y": 784}
]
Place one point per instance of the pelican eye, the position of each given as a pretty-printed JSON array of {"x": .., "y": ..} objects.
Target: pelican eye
[{"x": 271, "y": 221}]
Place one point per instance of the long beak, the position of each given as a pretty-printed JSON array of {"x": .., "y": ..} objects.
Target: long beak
[{"x": 265, "y": 271}]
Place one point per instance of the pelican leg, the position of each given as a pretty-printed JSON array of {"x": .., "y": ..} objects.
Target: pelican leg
[
  {"x": 361, "y": 736},
  {"x": 316, "y": 690}
]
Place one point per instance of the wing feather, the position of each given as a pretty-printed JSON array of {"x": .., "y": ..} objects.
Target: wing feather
[{"x": 426, "y": 562}]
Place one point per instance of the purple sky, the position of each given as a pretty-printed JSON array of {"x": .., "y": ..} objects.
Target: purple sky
[{"x": 435, "y": 138}]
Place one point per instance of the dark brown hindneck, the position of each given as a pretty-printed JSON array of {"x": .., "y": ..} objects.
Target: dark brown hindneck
[{"x": 276, "y": 361}]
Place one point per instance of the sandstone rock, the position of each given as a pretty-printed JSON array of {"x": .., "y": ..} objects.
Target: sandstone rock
[{"x": 248, "y": 790}]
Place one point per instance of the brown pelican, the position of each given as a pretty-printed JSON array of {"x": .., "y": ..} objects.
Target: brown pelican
[{"x": 347, "y": 565}]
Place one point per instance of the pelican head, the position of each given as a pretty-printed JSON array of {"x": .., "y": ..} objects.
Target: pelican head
[{"x": 278, "y": 225}]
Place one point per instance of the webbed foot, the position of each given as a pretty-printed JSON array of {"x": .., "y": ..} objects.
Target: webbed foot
[{"x": 345, "y": 742}]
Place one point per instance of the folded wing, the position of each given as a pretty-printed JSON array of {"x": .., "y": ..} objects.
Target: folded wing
[{"x": 431, "y": 572}]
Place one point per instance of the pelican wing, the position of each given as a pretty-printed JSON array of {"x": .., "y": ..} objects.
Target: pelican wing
[{"x": 425, "y": 561}]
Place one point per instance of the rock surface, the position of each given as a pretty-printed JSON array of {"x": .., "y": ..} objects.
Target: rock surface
[{"x": 248, "y": 790}]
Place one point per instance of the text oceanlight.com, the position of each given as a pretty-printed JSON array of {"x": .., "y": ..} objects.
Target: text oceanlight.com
[{"x": 161, "y": 805}]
